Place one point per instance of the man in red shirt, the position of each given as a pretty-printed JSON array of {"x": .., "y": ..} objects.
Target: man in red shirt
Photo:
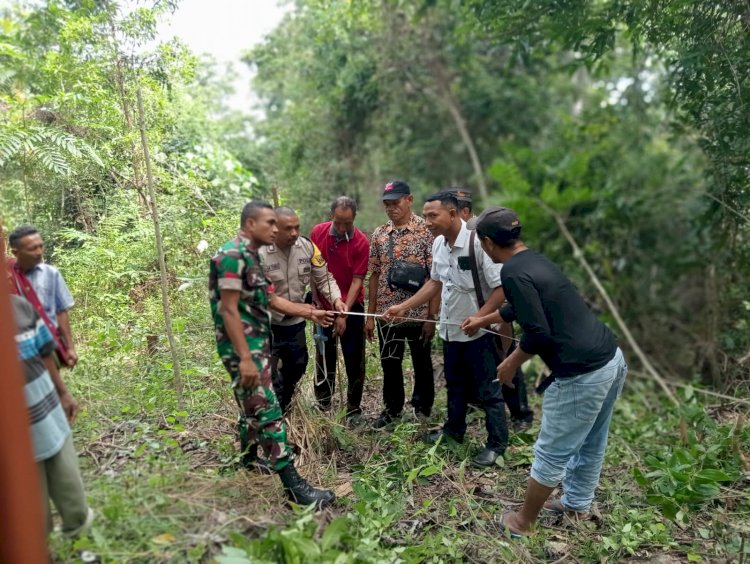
[{"x": 346, "y": 250}]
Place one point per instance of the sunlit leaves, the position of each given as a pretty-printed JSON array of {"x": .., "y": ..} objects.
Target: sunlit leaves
[{"x": 54, "y": 150}]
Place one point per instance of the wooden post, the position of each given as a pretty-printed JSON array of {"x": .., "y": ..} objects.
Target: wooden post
[
  {"x": 22, "y": 534},
  {"x": 160, "y": 255}
]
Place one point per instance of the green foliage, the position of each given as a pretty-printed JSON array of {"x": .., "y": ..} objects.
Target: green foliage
[
  {"x": 577, "y": 104},
  {"x": 697, "y": 78},
  {"x": 632, "y": 528},
  {"x": 53, "y": 149},
  {"x": 679, "y": 479},
  {"x": 357, "y": 93},
  {"x": 625, "y": 118}
]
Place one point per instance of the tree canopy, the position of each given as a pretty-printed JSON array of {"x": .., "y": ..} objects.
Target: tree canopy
[{"x": 620, "y": 125}]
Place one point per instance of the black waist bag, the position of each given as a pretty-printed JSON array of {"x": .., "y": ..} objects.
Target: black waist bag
[{"x": 403, "y": 275}]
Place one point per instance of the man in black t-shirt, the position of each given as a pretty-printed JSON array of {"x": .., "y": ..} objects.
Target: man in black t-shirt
[{"x": 588, "y": 370}]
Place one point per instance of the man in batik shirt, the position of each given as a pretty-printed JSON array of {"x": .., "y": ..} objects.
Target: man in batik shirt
[
  {"x": 404, "y": 238},
  {"x": 241, "y": 298}
]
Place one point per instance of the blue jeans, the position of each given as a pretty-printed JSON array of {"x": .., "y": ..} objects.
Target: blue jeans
[{"x": 575, "y": 423}]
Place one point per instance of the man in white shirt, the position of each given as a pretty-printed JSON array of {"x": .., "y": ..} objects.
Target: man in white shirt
[{"x": 451, "y": 276}]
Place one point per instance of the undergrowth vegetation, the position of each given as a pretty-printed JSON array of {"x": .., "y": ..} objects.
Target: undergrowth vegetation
[
  {"x": 167, "y": 485},
  {"x": 624, "y": 118}
]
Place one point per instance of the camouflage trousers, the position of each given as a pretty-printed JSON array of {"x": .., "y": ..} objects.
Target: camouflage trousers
[{"x": 261, "y": 419}]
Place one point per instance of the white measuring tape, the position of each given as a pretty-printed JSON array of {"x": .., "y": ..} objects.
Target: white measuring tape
[{"x": 419, "y": 319}]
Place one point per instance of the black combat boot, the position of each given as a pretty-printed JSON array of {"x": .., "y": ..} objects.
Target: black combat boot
[
  {"x": 249, "y": 458},
  {"x": 299, "y": 491}
]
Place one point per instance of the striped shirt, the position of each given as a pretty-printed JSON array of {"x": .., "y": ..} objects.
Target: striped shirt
[{"x": 49, "y": 426}]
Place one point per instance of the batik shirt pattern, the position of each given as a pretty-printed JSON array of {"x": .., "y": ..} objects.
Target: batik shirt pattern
[{"x": 411, "y": 243}]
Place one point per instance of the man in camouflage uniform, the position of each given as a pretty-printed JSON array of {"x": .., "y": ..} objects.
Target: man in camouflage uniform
[
  {"x": 241, "y": 298},
  {"x": 289, "y": 264}
]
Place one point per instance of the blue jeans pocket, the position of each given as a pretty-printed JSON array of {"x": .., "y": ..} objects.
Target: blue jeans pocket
[
  {"x": 558, "y": 402},
  {"x": 590, "y": 396}
]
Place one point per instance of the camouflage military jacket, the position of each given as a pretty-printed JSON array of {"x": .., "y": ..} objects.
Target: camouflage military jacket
[{"x": 237, "y": 266}]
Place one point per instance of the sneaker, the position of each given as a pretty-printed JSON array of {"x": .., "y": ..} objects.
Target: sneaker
[
  {"x": 486, "y": 457},
  {"x": 354, "y": 419},
  {"x": 383, "y": 421},
  {"x": 432, "y": 437},
  {"x": 421, "y": 418},
  {"x": 436, "y": 435},
  {"x": 522, "y": 423}
]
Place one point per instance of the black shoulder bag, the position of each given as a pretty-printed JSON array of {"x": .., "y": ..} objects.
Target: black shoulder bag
[{"x": 403, "y": 275}]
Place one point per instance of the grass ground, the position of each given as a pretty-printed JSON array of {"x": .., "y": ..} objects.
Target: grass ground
[{"x": 166, "y": 484}]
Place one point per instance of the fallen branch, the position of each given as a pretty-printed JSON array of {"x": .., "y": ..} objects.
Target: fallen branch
[
  {"x": 578, "y": 254},
  {"x": 701, "y": 390},
  {"x": 728, "y": 207}
]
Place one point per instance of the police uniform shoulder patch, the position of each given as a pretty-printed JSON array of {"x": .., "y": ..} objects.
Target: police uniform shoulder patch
[{"x": 317, "y": 258}]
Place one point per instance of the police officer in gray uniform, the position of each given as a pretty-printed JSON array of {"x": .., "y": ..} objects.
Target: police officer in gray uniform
[{"x": 289, "y": 264}]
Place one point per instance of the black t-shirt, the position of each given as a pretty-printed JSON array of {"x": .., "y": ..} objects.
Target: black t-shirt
[{"x": 557, "y": 324}]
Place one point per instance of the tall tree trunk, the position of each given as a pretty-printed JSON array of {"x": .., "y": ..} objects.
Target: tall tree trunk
[
  {"x": 446, "y": 98},
  {"x": 128, "y": 115},
  {"x": 458, "y": 118},
  {"x": 160, "y": 254}
]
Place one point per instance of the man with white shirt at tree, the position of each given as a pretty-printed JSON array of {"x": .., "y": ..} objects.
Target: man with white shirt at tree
[{"x": 452, "y": 277}]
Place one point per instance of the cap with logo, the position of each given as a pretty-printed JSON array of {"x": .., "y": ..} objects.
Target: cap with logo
[
  {"x": 395, "y": 190},
  {"x": 496, "y": 222}
]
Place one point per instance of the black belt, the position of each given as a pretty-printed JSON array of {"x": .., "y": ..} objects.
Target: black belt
[{"x": 547, "y": 382}]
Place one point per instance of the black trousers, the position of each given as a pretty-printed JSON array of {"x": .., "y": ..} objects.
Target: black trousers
[
  {"x": 393, "y": 340},
  {"x": 472, "y": 364},
  {"x": 290, "y": 347},
  {"x": 516, "y": 398},
  {"x": 353, "y": 349}
]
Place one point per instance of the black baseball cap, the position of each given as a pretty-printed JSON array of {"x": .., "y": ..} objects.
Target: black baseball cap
[
  {"x": 395, "y": 190},
  {"x": 496, "y": 222},
  {"x": 461, "y": 194}
]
